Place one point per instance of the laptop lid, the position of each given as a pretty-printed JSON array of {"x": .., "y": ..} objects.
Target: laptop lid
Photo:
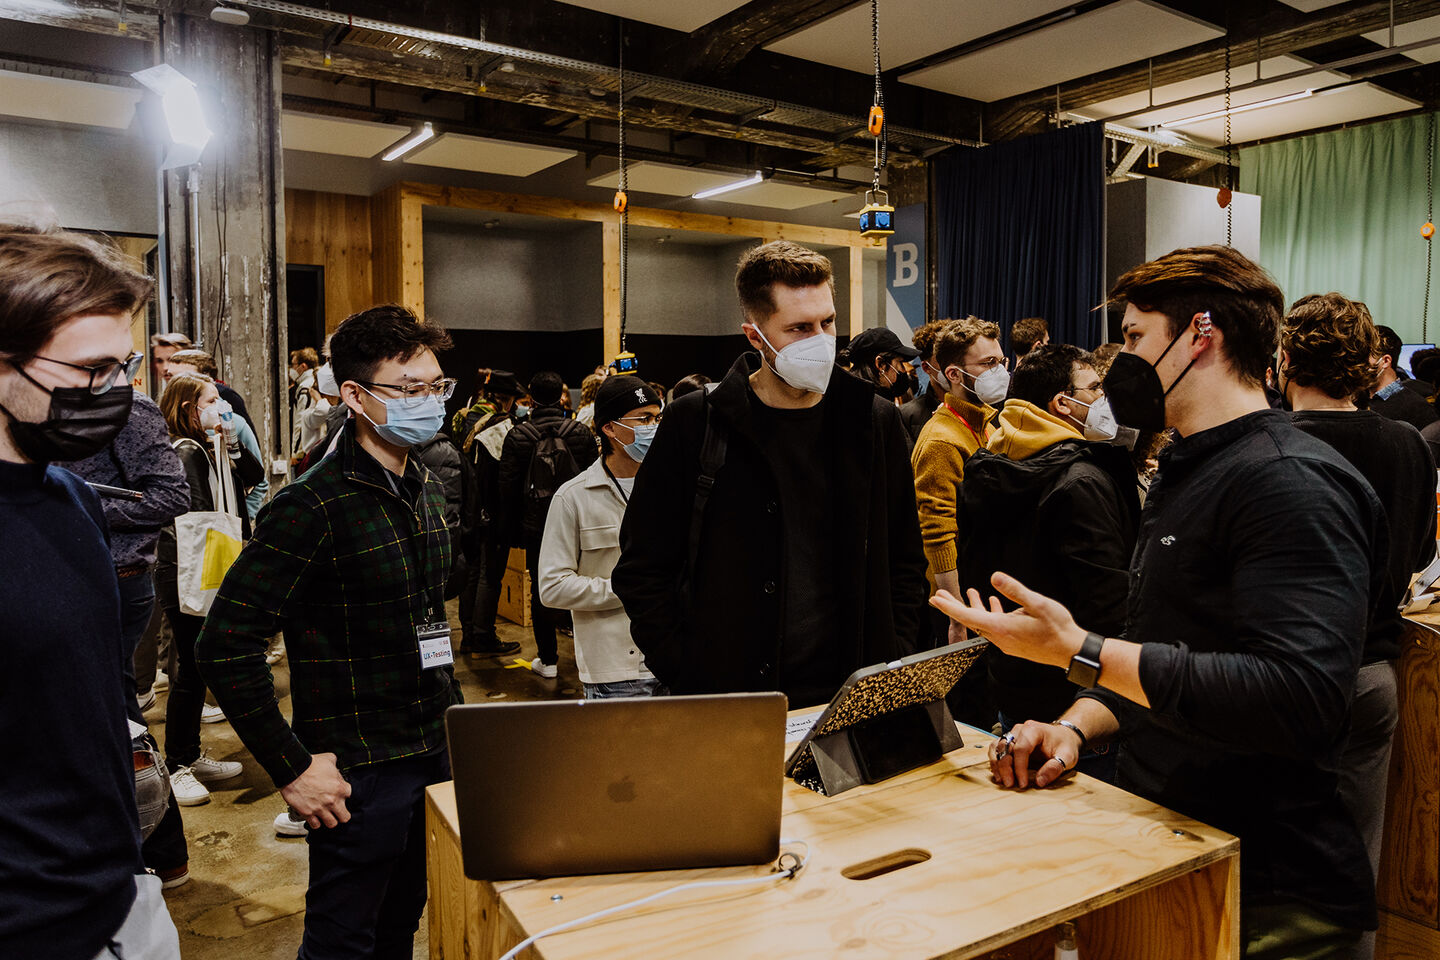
[{"x": 560, "y": 788}]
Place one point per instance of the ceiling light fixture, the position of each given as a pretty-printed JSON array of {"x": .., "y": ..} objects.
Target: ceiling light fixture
[
  {"x": 184, "y": 115},
  {"x": 426, "y": 132},
  {"x": 223, "y": 14},
  {"x": 749, "y": 181},
  {"x": 1242, "y": 108}
]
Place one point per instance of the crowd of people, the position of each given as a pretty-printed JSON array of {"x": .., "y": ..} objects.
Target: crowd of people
[{"x": 1187, "y": 549}]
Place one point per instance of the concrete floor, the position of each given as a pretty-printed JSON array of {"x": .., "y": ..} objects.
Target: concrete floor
[{"x": 246, "y": 896}]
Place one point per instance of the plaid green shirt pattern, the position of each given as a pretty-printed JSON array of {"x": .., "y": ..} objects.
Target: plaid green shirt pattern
[{"x": 347, "y": 563}]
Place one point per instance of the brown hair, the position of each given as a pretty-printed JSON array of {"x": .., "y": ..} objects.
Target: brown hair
[
  {"x": 1102, "y": 356},
  {"x": 171, "y": 340},
  {"x": 1330, "y": 340},
  {"x": 956, "y": 337},
  {"x": 1242, "y": 300},
  {"x": 924, "y": 336},
  {"x": 779, "y": 261},
  {"x": 198, "y": 359},
  {"x": 1026, "y": 333},
  {"x": 177, "y": 404},
  {"x": 305, "y": 355},
  {"x": 589, "y": 387},
  {"x": 49, "y": 278}
]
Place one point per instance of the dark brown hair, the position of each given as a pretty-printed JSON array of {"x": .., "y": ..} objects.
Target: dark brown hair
[
  {"x": 1330, "y": 341},
  {"x": 956, "y": 337},
  {"x": 1026, "y": 333},
  {"x": 779, "y": 261},
  {"x": 367, "y": 339},
  {"x": 177, "y": 404},
  {"x": 48, "y": 278},
  {"x": 1102, "y": 356},
  {"x": 1243, "y": 302},
  {"x": 923, "y": 339}
]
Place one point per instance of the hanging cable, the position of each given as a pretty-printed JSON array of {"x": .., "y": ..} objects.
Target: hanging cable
[
  {"x": 877, "y": 124},
  {"x": 1428, "y": 230},
  {"x": 1229, "y": 157},
  {"x": 622, "y": 199}
]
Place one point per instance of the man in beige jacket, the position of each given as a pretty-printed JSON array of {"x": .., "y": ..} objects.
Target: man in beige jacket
[{"x": 581, "y": 544}]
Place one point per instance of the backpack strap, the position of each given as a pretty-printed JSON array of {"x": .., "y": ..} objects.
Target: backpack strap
[{"x": 712, "y": 458}]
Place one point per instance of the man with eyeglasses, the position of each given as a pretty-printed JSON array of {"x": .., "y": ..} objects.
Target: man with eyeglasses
[
  {"x": 582, "y": 543},
  {"x": 73, "y": 885},
  {"x": 969, "y": 359},
  {"x": 350, "y": 561},
  {"x": 1051, "y": 502}
]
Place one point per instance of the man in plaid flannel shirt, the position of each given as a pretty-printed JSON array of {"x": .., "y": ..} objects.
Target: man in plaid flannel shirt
[{"x": 350, "y": 561}]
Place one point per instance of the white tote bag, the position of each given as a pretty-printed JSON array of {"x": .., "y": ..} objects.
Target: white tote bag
[{"x": 207, "y": 541}]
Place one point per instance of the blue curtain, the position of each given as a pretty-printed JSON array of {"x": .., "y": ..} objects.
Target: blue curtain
[{"x": 1021, "y": 231}]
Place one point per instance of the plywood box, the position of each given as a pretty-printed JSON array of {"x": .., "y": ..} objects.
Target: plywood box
[{"x": 515, "y": 595}]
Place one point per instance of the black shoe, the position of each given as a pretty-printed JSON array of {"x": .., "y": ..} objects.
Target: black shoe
[{"x": 499, "y": 649}]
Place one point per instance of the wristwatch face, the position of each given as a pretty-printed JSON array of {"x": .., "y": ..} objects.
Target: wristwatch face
[{"x": 1085, "y": 665}]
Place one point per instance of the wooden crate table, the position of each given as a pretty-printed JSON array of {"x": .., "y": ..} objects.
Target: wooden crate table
[{"x": 1004, "y": 869}]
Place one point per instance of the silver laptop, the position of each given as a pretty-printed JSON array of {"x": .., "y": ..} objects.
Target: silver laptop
[{"x": 569, "y": 787}]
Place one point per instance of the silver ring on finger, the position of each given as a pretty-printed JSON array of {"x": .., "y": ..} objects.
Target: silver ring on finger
[{"x": 1063, "y": 765}]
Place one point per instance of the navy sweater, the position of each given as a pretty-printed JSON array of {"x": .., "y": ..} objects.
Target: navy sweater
[{"x": 69, "y": 833}]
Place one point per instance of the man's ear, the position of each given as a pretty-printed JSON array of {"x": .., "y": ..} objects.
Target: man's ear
[{"x": 1062, "y": 405}]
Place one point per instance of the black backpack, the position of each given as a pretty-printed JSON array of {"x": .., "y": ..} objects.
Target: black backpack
[{"x": 551, "y": 464}]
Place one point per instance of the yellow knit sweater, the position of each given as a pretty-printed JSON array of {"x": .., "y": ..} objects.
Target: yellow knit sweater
[{"x": 938, "y": 460}]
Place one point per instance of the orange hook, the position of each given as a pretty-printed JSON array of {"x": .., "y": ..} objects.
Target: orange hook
[
  {"x": 621, "y": 201},
  {"x": 1428, "y": 230},
  {"x": 877, "y": 120}
]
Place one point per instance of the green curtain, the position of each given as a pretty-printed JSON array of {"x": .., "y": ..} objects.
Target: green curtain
[{"x": 1342, "y": 211}]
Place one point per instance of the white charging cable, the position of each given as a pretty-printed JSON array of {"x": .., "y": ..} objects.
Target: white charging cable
[{"x": 787, "y": 866}]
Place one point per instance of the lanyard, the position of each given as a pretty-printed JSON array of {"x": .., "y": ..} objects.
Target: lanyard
[
  {"x": 978, "y": 442},
  {"x": 618, "y": 489}
]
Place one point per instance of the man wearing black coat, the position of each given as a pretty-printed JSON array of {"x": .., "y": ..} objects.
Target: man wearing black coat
[
  {"x": 806, "y": 563},
  {"x": 1051, "y": 505}
]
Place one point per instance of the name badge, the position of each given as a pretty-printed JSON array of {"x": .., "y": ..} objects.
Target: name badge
[{"x": 434, "y": 640}]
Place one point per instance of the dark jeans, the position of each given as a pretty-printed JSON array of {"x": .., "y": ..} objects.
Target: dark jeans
[
  {"x": 367, "y": 876},
  {"x": 486, "y": 605},
  {"x": 187, "y": 690},
  {"x": 542, "y": 618},
  {"x": 165, "y": 848}
]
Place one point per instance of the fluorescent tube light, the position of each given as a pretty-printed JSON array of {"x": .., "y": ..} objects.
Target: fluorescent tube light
[
  {"x": 749, "y": 181},
  {"x": 1257, "y": 105},
  {"x": 426, "y": 132}
]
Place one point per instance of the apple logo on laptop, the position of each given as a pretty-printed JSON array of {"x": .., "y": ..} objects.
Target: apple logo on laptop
[{"x": 622, "y": 791}]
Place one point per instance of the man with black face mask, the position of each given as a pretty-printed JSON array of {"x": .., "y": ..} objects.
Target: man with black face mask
[
  {"x": 880, "y": 359},
  {"x": 72, "y": 882},
  {"x": 1258, "y": 555}
]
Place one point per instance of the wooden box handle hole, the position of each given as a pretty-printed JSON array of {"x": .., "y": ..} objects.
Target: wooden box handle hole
[{"x": 889, "y": 863}]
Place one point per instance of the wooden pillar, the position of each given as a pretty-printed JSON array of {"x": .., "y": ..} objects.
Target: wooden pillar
[
  {"x": 610, "y": 243},
  {"x": 397, "y": 237},
  {"x": 857, "y": 291},
  {"x": 241, "y": 217}
]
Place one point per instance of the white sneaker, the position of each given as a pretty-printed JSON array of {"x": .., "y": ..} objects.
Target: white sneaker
[
  {"x": 547, "y": 670},
  {"x": 212, "y": 715},
  {"x": 208, "y": 770},
  {"x": 188, "y": 791},
  {"x": 161, "y": 682},
  {"x": 291, "y": 824}
]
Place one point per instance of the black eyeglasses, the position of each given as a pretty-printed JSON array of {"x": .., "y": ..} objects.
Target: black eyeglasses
[
  {"x": 412, "y": 394},
  {"x": 105, "y": 375}
]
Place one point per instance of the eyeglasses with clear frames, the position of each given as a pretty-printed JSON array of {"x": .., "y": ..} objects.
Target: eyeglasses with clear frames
[
  {"x": 414, "y": 393},
  {"x": 990, "y": 363},
  {"x": 105, "y": 375},
  {"x": 649, "y": 420}
]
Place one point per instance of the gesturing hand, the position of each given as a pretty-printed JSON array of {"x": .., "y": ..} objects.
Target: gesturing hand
[
  {"x": 1041, "y": 629},
  {"x": 319, "y": 793}
]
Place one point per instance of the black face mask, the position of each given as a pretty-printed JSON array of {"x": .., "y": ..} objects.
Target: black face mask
[
  {"x": 1133, "y": 387},
  {"x": 80, "y": 423}
]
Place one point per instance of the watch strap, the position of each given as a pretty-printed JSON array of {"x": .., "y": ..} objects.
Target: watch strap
[{"x": 1085, "y": 665}]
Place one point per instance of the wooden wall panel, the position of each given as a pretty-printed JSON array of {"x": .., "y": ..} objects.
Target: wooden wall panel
[{"x": 333, "y": 231}]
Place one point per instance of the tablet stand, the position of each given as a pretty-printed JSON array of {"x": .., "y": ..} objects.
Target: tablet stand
[{"x": 841, "y": 758}]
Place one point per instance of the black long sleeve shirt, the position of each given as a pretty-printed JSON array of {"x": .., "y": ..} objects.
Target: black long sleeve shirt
[{"x": 1258, "y": 555}]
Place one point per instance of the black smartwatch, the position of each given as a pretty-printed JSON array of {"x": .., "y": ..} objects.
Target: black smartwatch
[{"x": 1085, "y": 666}]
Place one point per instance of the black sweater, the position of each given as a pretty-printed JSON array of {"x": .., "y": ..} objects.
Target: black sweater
[
  {"x": 1395, "y": 459},
  {"x": 1258, "y": 553},
  {"x": 69, "y": 833}
]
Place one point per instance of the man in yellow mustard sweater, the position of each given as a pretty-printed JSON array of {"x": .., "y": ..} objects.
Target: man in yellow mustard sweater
[{"x": 968, "y": 356}]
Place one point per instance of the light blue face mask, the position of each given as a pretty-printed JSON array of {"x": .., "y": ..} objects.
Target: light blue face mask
[
  {"x": 406, "y": 425},
  {"x": 641, "y": 446}
]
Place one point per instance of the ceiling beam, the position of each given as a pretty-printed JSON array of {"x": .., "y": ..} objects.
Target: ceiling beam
[
  {"x": 719, "y": 46},
  {"x": 92, "y": 16}
]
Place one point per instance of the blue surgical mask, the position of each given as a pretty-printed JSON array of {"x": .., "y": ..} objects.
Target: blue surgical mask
[
  {"x": 643, "y": 436},
  {"x": 406, "y": 425},
  {"x": 521, "y": 411}
]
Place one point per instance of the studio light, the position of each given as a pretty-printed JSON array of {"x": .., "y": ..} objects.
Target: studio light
[
  {"x": 184, "y": 116},
  {"x": 749, "y": 181},
  {"x": 426, "y": 132},
  {"x": 1242, "y": 108}
]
